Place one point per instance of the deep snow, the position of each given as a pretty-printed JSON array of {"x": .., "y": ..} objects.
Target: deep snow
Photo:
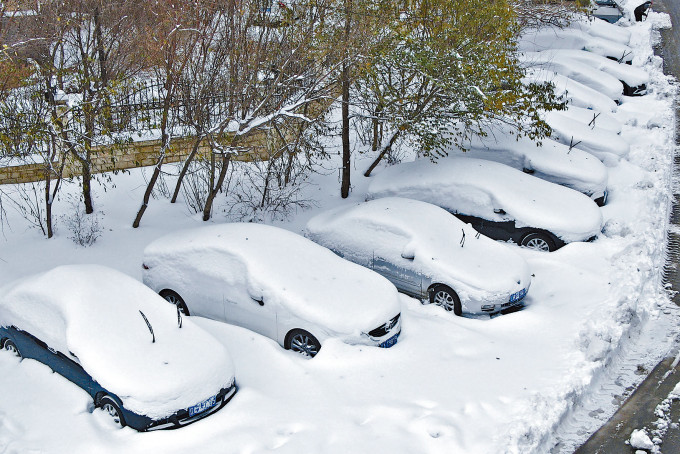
[{"x": 451, "y": 384}]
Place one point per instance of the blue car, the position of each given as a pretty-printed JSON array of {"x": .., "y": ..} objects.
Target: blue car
[{"x": 112, "y": 336}]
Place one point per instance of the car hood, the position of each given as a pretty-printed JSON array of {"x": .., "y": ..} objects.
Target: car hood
[
  {"x": 285, "y": 269},
  {"x": 92, "y": 314},
  {"x": 492, "y": 191}
]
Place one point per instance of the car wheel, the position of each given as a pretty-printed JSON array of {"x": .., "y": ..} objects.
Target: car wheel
[
  {"x": 11, "y": 347},
  {"x": 109, "y": 406},
  {"x": 538, "y": 242},
  {"x": 174, "y": 298},
  {"x": 443, "y": 296},
  {"x": 302, "y": 342}
]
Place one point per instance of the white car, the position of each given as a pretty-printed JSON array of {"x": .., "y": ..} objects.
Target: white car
[
  {"x": 551, "y": 161},
  {"x": 589, "y": 117},
  {"x": 138, "y": 359},
  {"x": 426, "y": 253},
  {"x": 500, "y": 202},
  {"x": 273, "y": 282}
]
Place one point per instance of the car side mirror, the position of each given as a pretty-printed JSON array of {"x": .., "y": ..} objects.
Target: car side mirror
[
  {"x": 499, "y": 211},
  {"x": 408, "y": 256}
]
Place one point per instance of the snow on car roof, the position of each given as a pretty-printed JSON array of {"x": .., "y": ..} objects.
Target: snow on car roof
[
  {"x": 573, "y": 38},
  {"x": 286, "y": 269},
  {"x": 591, "y": 118},
  {"x": 432, "y": 235},
  {"x": 580, "y": 72},
  {"x": 92, "y": 312},
  {"x": 477, "y": 187},
  {"x": 601, "y": 143},
  {"x": 551, "y": 160},
  {"x": 572, "y": 91},
  {"x": 629, "y": 74}
]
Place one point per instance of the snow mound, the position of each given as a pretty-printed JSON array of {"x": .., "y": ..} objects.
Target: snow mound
[
  {"x": 492, "y": 191},
  {"x": 593, "y": 118},
  {"x": 631, "y": 75},
  {"x": 573, "y": 38},
  {"x": 277, "y": 266},
  {"x": 640, "y": 440},
  {"x": 93, "y": 313}
]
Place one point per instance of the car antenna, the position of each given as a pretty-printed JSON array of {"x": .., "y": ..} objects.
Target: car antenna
[
  {"x": 462, "y": 240},
  {"x": 179, "y": 316},
  {"x": 153, "y": 336},
  {"x": 592, "y": 122}
]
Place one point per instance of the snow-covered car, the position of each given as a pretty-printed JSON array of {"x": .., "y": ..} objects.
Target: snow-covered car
[
  {"x": 552, "y": 37},
  {"x": 589, "y": 117},
  {"x": 500, "y": 202},
  {"x": 551, "y": 161},
  {"x": 274, "y": 282},
  {"x": 426, "y": 253},
  {"x": 106, "y": 332},
  {"x": 634, "y": 79},
  {"x": 581, "y": 72},
  {"x": 605, "y": 145},
  {"x": 572, "y": 92}
]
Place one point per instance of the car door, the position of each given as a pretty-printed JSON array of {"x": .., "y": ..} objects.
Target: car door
[
  {"x": 72, "y": 370},
  {"x": 255, "y": 313},
  {"x": 401, "y": 274}
]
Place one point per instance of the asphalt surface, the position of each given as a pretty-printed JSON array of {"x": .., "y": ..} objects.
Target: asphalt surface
[{"x": 638, "y": 410}]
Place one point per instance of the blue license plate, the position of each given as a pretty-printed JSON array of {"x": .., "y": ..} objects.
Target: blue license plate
[
  {"x": 203, "y": 406},
  {"x": 389, "y": 342},
  {"x": 518, "y": 296}
]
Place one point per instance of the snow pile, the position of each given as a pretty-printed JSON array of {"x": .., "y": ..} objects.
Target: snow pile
[
  {"x": 84, "y": 310},
  {"x": 640, "y": 440},
  {"x": 476, "y": 267},
  {"x": 492, "y": 191},
  {"x": 281, "y": 268},
  {"x": 551, "y": 37}
]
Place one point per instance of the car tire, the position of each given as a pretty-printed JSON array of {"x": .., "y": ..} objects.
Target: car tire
[
  {"x": 538, "y": 242},
  {"x": 444, "y": 296},
  {"x": 11, "y": 347},
  {"x": 173, "y": 298},
  {"x": 109, "y": 406},
  {"x": 302, "y": 342}
]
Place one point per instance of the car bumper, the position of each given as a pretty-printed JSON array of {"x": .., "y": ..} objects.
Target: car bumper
[
  {"x": 514, "y": 301},
  {"x": 182, "y": 418}
]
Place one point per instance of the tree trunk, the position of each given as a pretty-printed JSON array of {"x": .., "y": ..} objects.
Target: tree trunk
[
  {"x": 185, "y": 168},
  {"x": 149, "y": 190},
  {"x": 87, "y": 183},
  {"x": 386, "y": 149},
  {"x": 215, "y": 189},
  {"x": 346, "y": 151},
  {"x": 48, "y": 203}
]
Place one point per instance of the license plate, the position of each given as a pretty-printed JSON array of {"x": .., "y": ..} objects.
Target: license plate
[
  {"x": 203, "y": 406},
  {"x": 518, "y": 296},
  {"x": 389, "y": 342}
]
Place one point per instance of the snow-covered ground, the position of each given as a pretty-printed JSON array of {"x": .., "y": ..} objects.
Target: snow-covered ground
[{"x": 450, "y": 385}]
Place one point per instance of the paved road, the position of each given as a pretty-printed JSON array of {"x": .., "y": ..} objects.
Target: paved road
[{"x": 638, "y": 410}]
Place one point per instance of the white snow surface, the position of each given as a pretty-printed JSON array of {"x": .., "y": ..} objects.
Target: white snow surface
[
  {"x": 87, "y": 309},
  {"x": 603, "y": 29},
  {"x": 549, "y": 160},
  {"x": 507, "y": 385},
  {"x": 477, "y": 187},
  {"x": 605, "y": 145},
  {"x": 551, "y": 37},
  {"x": 572, "y": 92},
  {"x": 590, "y": 117},
  {"x": 594, "y": 78},
  {"x": 478, "y": 269},
  {"x": 282, "y": 268}
]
